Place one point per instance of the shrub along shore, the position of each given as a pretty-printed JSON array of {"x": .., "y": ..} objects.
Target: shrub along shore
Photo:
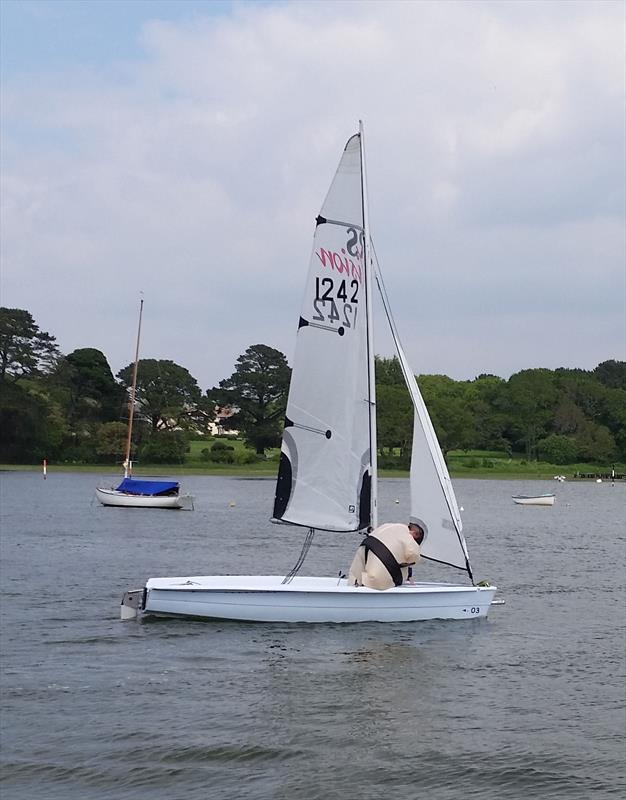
[
  {"x": 229, "y": 456},
  {"x": 473, "y": 466}
]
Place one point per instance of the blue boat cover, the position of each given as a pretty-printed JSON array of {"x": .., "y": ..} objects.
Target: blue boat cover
[{"x": 150, "y": 488}]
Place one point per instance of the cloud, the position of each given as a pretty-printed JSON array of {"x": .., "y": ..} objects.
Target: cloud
[{"x": 193, "y": 172}]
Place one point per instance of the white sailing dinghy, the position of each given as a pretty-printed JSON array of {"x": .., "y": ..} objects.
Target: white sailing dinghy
[
  {"x": 327, "y": 478},
  {"x": 133, "y": 493}
]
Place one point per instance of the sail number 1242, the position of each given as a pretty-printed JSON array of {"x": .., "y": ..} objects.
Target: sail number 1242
[{"x": 336, "y": 301}]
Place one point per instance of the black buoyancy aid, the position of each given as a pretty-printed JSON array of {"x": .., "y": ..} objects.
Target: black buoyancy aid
[{"x": 384, "y": 554}]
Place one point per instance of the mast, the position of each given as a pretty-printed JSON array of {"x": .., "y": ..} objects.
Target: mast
[
  {"x": 370, "y": 337},
  {"x": 131, "y": 403}
]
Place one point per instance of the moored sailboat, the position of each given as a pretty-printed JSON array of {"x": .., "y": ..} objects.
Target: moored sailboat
[
  {"x": 327, "y": 479},
  {"x": 133, "y": 493}
]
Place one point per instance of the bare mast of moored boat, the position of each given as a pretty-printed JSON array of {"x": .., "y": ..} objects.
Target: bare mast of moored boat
[{"x": 128, "y": 464}]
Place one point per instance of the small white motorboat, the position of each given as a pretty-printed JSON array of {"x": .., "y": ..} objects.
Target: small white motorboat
[{"x": 546, "y": 499}]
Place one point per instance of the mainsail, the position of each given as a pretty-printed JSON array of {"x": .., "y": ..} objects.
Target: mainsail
[{"x": 324, "y": 479}]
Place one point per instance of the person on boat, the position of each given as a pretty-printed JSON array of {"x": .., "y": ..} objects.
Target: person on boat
[{"x": 384, "y": 557}]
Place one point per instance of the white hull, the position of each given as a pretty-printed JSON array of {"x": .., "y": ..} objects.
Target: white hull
[
  {"x": 264, "y": 598},
  {"x": 538, "y": 500},
  {"x": 111, "y": 497}
]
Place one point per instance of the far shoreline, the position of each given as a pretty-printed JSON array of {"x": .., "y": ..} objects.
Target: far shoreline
[{"x": 245, "y": 471}]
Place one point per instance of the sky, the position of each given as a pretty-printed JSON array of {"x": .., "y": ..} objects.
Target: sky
[{"x": 180, "y": 152}]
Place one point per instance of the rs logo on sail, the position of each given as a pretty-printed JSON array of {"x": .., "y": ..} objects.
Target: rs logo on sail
[{"x": 341, "y": 263}]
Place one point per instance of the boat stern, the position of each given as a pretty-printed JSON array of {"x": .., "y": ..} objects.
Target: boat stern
[{"x": 132, "y": 604}]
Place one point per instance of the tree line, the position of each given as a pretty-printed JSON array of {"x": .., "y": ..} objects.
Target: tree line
[
  {"x": 560, "y": 416},
  {"x": 71, "y": 408}
]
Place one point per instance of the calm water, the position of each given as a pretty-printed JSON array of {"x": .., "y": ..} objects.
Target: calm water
[{"x": 527, "y": 704}]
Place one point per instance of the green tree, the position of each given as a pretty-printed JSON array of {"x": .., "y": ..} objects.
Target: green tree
[
  {"x": 557, "y": 449},
  {"x": 167, "y": 394},
  {"x": 93, "y": 392},
  {"x": 531, "y": 398},
  {"x": 31, "y": 418},
  {"x": 258, "y": 390},
  {"x": 388, "y": 372},
  {"x": 394, "y": 418},
  {"x": 614, "y": 417},
  {"x": 581, "y": 388},
  {"x": 222, "y": 453},
  {"x": 595, "y": 443},
  {"x": 25, "y": 350},
  {"x": 32, "y": 425},
  {"x": 611, "y": 374},
  {"x": 164, "y": 447},
  {"x": 568, "y": 417},
  {"x": 487, "y": 400},
  {"x": 592, "y": 405},
  {"x": 448, "y": 404},
  {"x": 394, "y": 413},
  {"x": 110, "y": 444}
]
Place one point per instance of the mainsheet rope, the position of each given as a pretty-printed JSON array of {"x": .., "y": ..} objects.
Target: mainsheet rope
[{"x": 308, "y": 541}]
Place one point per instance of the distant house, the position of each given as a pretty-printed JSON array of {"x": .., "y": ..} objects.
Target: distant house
[{"x": 217, "y": 427}]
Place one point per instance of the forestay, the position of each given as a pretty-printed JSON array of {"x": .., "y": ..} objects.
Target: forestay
[{"x": 325, "y": 467}]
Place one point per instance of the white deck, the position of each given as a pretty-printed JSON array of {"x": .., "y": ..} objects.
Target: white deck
[
  {"x": 274, "y": 583},
  {"x": 264, "y": 598}
]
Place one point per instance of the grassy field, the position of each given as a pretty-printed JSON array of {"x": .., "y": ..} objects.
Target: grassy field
[
  {"x": 486, "y": 464},
  {"x": 462, "y": 464}
]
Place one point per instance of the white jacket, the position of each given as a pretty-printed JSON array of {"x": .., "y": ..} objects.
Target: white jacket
[{"x": 373, "y": 573}]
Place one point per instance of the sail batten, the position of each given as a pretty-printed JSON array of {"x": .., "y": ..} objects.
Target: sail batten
[{"x": 342, "y": 224}]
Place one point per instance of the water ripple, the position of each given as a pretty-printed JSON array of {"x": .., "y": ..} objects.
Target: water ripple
[{"x": 527, "y": 705}]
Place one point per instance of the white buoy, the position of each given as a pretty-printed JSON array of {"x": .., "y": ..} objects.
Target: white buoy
[{"x": 45, "y": 468}]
